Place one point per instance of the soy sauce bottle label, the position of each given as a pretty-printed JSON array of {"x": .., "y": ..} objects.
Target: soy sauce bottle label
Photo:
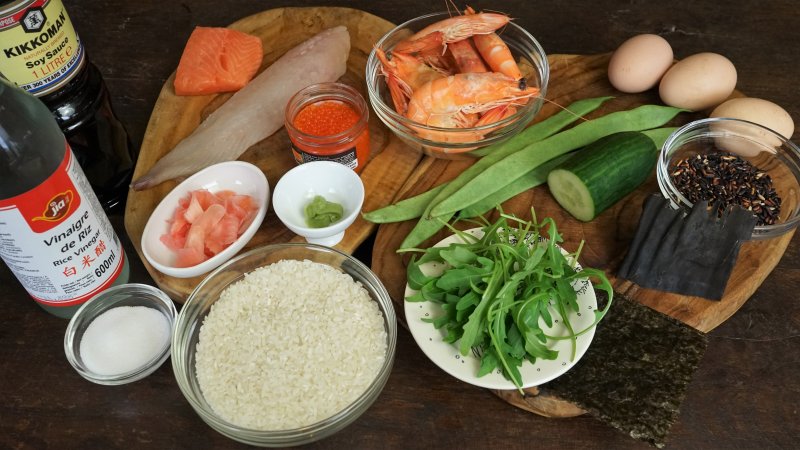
[
  {"x": 58, "y": 241},
  {"x": 39, "y": 48}
]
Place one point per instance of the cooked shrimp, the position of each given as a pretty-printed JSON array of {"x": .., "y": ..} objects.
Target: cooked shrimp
[
  {"x": 430, "y": 49},
  {"x": 497, "y": 114},
  {"x": 432, "y": 42},
  {"x": 455, "y": 101},
  {"x": 495, "y": 51},
  {"x": 464, "y": 120},
  {"x": 456, "y": 121},
  {"x": 466, "y": 57},
  {"x": 455, "y": 29},
  {"x": 468, "y": 60},
  {"x": 404, "y": 74},
  {"x": 497, "y": 54},
  {"x": 465, "y": 93}
]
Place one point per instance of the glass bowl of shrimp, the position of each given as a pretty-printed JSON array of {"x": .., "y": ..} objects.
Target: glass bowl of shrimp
[{"x": 449, "y": 84}]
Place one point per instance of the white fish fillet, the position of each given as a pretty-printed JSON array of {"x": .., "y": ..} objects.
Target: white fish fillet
[{"x": 257, "y": 110}]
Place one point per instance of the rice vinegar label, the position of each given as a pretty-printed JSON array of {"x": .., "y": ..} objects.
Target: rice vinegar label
[
  {"x": 58, "y": 241},
  {"x": 39, "y": 48}
]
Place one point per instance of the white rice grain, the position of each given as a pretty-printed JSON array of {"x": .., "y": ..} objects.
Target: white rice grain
[{"x": 290, "y": 344}]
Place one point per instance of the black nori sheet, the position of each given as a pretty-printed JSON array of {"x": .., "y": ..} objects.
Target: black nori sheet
[
  {"x": 686, "y": 254},
  {"x": 635, "y": 373}
]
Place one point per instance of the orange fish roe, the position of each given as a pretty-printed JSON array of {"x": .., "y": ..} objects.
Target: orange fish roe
[
  {"x": 326, "y": 118},
  {"x": 329, "y": 121}
]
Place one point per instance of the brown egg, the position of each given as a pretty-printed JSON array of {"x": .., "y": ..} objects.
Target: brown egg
[
  {"x": 762, "y": 112},
  {"x": 698, "y": 82},
  {"x": 639, "y": 63},
  {"x": 755, "y": 110}
]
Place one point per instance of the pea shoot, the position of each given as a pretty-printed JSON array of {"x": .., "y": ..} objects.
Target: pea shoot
[{"x": 497, "y": 289}]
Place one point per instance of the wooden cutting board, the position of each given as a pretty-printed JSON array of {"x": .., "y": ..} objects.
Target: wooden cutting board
[
  {"x": 606, "y": 238},
  {"x": 175, "y": 117}
]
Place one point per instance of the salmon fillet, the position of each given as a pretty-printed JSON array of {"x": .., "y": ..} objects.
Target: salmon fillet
[
  {"x": 217, "y": 60},
  {"x": 255, "y": 111}
]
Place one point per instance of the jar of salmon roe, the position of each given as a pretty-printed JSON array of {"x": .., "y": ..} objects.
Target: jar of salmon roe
[{"x": 329, "y": 121}]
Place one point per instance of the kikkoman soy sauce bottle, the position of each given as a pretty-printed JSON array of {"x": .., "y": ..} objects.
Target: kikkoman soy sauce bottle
[
  {"x": 41, "y": 53},
  {"x": 54, "y": 235}
]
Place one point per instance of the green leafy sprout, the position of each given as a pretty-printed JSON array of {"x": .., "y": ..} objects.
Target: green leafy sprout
[{"x": 496, "y": 289}]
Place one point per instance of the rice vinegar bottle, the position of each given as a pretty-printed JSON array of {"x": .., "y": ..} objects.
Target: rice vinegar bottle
[{"x": 54, "y": 235}]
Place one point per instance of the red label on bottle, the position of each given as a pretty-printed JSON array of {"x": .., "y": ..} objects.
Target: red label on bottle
[
  {"x": 58, "y": 241},
  {"x": 49, "y": 204}
]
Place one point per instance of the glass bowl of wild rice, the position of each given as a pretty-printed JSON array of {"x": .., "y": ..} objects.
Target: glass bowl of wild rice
[
  {"x": 285, "y": 344},
  {"x": 734, "y": 162}
]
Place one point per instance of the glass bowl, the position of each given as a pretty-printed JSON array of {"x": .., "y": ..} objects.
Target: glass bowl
[
  {"x": 765, "y": 149},
  {"x": 197, "y": 307},
  {"x": 457, "y": 141},
  {"x": 132, "y": 294}
]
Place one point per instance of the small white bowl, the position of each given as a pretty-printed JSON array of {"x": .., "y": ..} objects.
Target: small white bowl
[
  {"x": 336, "y": 182},
  {"x": 238, "y": 176}
]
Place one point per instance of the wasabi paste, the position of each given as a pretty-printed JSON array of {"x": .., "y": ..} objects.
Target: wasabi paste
[{"x": 321, "y": 213}]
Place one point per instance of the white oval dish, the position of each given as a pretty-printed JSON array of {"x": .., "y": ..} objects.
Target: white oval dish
[
  {"x": 336, "y": 182},
  {"x": 465, "y": 368},
  {"x": 238, "y": 176}
]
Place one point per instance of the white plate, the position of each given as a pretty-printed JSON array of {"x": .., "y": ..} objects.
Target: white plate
[
  {"x": 238, "y": 176},
  {"x": 465, "y": 368}
]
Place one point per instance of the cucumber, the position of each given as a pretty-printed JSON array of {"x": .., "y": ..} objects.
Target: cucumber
[{"x": 602, "y": 173}]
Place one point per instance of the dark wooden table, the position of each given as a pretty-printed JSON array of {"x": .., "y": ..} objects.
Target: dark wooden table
[{"x": 744, "y": 395}]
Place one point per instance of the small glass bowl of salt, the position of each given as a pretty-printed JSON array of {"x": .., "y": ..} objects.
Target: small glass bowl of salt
[{"x": 121, "y": 335}]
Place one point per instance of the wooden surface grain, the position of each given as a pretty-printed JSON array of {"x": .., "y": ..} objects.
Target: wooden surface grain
[
  {"x": 174, "y": 117},
  {"x": 606, "y": 238},
  {"x": 744, "y": 394}
]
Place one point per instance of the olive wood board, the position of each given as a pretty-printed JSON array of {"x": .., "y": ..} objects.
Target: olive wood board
[
  {"x": 575, "y": 77},
  {"x": 175, "y": 117}
]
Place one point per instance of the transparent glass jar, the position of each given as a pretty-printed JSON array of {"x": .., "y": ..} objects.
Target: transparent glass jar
[
  {"x": 349, "y": 146},
  {"x": 761, "y": 147}
]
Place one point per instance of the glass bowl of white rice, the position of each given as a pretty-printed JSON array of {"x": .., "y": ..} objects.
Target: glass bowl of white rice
[{"x": 285, "y": 344}]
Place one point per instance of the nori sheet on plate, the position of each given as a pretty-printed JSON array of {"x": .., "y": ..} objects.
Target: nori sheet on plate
[{"x": 635, "y": 373}]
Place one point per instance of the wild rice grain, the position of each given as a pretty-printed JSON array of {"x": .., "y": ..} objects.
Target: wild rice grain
[
  {"x": 289, "y": 345},
  {"x": 725, "y": 180}
]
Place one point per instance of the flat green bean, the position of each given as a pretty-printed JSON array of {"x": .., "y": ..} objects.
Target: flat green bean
[
  {"x": 510, "y": 168},
  {"x": 425, "y": 228},
  {"x": 532, "y": 134},
  {"x": 428, "y": 225},
  {"x": 659, "y": 135},
  {"x": 530, "y": 180},
  {"x": 406, "y": 209},
  {"x": 556, "y": 122},
  {"x": 538, "y": 176},
  {"x": 414, "y": 207}
]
